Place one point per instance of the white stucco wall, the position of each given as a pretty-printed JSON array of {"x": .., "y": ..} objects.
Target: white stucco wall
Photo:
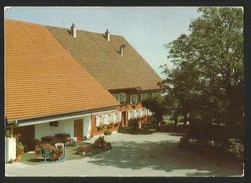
[
  {"x": 10, "y": 149},
  {"x": 64, "y": 126}
]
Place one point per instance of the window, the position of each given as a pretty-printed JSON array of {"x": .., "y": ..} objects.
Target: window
[
  {"x": 138, "y": 113},
  {"x": 106, "y": 119},
  {"x": 131, "y": 115},
  {"x": 121, "y": 97},
  {"x": 133, "y": 99},
  {"x": 144, "y": 112},
  {"x": 120, "y": 116},
  {"x": 54, "y": 123},
  {"x": 155, "y": 94},
  {"x": 110, "y": 117},
  {"x": 98, "y": 120},
  {"x": 114, "y": 117},
  {"x": 143, "y": 96}
]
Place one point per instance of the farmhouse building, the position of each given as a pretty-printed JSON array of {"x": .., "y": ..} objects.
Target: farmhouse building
[
  {"x": 115, "y": 64},
  {"x": 60, "y": 80},
  {"x": 46, "y": 90}
]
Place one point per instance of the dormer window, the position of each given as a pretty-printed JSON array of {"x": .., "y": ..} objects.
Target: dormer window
[{"x": 121, "y": 49}]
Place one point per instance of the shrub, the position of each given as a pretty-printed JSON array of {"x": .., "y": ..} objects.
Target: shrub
[
  {"x": 101, "y": 143},
  {"x": 39, "y": 149},
  {"x": 19, "y": 145},
  {"x": 82, "y": 150},
  {"x": 133, "y": 123},
  {"x": 49, "y": 139},
  {"x": 55, "y": 152},
  {"x": 19, "y": 148},
  {"x": 236, "y": 148},
  {"x": 109, "y": 126},
  {"x": 11, "y": 161},
  {"x": 90, "y": 133},
  {"x": 62, "y": 137},
  {"x": 101, "y": 126},
  {"x": 108, "y": 132}
]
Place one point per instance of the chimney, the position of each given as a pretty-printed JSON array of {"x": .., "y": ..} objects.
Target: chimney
[
  {"x": 121, "y": 49},
  {"x": 73, "y": 31},
  {"x": 107, "y": 35}
]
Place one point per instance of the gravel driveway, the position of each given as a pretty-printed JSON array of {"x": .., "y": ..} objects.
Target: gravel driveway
[{"x": 155, "y": 154}]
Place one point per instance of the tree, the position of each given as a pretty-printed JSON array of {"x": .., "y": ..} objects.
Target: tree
[
  {"x": 207, "y": 77},
  {"x": 157, "y": 106}
]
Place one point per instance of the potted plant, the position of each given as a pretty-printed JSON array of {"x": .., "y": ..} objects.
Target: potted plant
[
  {"x": 109, "y": 126},
  {"x": 44, "y": 149},
  {"x": 19, "y": 147},
  {"x": 101, "y": 126},
  {"x": 49, "y": 151},
  {"x": 19, "y": 150},
  {"x": 90, "y": 133},
  {"x": 108, "y": 132}
]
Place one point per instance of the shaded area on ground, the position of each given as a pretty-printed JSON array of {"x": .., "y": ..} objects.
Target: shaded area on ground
[
  {"x": 167, "y": 156},
  {"x": 136, "y": 155},
  {"x": 142, "y": 131}
]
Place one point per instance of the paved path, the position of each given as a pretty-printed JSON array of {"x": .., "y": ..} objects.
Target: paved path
[{"x": 154, "y": 154}]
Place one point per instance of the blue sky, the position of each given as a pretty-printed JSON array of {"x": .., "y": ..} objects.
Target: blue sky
[{"x": 146, "y": 28}]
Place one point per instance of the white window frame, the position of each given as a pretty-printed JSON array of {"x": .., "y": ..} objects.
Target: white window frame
[
  {"x": 131, "y": 98},
  {"x": 121, "y": 97},
  {"x": 141, "y": 96}
]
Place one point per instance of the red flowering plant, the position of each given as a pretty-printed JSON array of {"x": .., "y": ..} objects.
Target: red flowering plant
[
  {"x": 19, "y": 145},
  {"x": 39, "y": 149},
  {"x": 54, "y": 152}
]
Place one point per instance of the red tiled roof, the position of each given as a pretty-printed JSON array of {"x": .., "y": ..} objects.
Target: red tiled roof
[
  {"x": 103, "y": 60},
  {"x": 42, "y": 78}
]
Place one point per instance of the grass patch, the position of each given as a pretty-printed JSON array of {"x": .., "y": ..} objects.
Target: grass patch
[{"x": 71, "y": 154}]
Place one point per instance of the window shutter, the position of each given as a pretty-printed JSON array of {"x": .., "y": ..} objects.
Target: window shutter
[
  {"x": 114, "y": 117},
  {"x": 97, "y": 120},
  {"x": 129, "y": 115},
  {"x": 120, "y": 116},
  {"x": 140, "y": 113},
  {"x": 135, "y": 113}
]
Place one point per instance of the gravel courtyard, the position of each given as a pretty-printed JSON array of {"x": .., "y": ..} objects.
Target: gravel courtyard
[{"x": 155, "y": 154}]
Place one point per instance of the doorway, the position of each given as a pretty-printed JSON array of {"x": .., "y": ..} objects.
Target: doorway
[
  {"x": 27, "y": 136},
  {"x": 124, "y": 118},
  {"x": 78, "y": 128}
]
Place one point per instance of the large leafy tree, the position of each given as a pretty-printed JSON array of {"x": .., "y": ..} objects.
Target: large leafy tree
[
  {"x": 157, "y": 106},
  {"x": 207, "y": 77}
]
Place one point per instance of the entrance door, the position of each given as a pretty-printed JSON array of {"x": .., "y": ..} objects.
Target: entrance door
[
  {"x": 124, "y": 118},
  {"x": 78, "y": 128}
]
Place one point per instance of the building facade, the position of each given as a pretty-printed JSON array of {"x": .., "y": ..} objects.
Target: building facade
[
  {"x": 46, "y": 90},
  {"x": 60, "y": 80},
  {"x": 118, "y": 67}
]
